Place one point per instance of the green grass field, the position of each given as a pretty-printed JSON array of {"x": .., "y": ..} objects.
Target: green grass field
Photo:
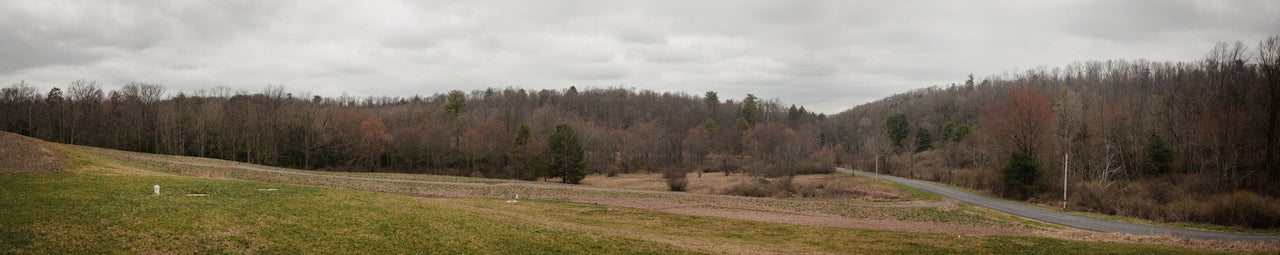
[{"x": 68, "y": 214}]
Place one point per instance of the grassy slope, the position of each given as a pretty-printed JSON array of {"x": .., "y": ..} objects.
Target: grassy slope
[{"x": 93, "y": 212}]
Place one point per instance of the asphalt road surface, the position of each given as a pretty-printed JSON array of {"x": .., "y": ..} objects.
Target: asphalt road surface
[{"x": 1059, "y": 217}]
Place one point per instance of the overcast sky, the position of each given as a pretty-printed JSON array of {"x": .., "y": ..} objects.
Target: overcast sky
[{"x": 826, "y": 55}]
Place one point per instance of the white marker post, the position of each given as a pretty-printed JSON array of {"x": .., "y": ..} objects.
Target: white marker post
[{"x": 157, "y": 190}]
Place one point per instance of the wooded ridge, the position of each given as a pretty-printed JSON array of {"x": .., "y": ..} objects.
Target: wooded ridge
[
  {"x": 1168, "y": 141},
  {"x": 498, "y": 133}
]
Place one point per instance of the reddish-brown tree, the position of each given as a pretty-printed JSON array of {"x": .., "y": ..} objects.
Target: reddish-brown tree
[{"x": 1020, "y": 121}]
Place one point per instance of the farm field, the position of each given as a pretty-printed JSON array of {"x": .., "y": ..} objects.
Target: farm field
[{"x": 99, "y": 201}]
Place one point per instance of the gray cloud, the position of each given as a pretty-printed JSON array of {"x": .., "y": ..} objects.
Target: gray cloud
[{"x": 827, "y": 55}]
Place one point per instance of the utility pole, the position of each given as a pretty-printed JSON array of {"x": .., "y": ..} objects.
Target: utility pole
[
  {"x": 877, "y": 163},
  {"x": 1066, "y": 159}
]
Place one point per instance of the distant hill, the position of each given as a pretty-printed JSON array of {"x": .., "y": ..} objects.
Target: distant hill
[
  {"x": 458, "y": 133},
  {"x": 1169, "y": 141}
]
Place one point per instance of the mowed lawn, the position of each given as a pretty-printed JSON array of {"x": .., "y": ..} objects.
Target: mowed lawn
[{"x": 78, "y": 214}]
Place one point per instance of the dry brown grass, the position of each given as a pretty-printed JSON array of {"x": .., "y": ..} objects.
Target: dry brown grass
[
  {"x": 706, "y": 184},
  {"x": 19, "y": 154},
  {"x": 1167, "y": 239},
  {"x": 831, "y": 186}
]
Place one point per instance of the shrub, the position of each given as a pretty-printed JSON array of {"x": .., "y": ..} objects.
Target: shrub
[
  {"x": 763, "y": 169},
  {"x": 1244, "y": 209},
  {"x": 785, "y": 187},
  {"x": 930, "y": 166},
  {"x": 899, "y": 165},
  {"x": 676, "y": 180},
  {"x": 1133, "y": 200},
  {"x": 822, "y": 161},
  {"x": 1091, "y": 196},
  {"x": 758, "y": 187},
  {"x": 967, "y": 178},
  {"x": 1160, "y": 200},
  {"x": 786, "y": 183},
  {"x": 814, "y": 168},
  {"x": 677, "y": 184},
  {"x": 1202, "y": 184},
  {"x": 1184, "y": 210},
  {"x": 1163, "y": 191}
]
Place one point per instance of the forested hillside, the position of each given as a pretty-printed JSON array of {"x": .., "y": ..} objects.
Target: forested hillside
[
  {"x": 1172, "y": 141},
  {"x": 501, "y": 133}
]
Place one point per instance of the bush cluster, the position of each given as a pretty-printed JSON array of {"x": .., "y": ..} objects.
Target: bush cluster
[
  {"x": 676, "y": 179},
  {"x": 1166, "y": 201}
]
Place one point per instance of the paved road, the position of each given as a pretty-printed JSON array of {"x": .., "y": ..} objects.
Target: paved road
[{"x": 1058, "y": 217}]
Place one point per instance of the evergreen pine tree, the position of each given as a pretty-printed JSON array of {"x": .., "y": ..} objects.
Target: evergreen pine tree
[{"x": 567, "y": 159}]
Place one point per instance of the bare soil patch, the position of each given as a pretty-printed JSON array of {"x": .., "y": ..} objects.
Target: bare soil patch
[
  {"x": 19, "y": 154},
  {"x": 826, "y": 186}
]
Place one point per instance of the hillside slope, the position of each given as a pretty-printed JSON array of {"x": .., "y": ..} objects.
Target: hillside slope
[
  {"x": 1178, "y": 142},
  {"x": 26, "y": 155}
]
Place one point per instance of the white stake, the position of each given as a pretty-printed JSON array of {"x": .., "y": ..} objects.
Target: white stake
[{"x": 157, "y": 190}]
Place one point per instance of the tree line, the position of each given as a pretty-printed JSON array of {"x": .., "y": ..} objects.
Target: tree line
[
  {"x": 497, "y": 133},
  {"x": 1173, "y": 141}
]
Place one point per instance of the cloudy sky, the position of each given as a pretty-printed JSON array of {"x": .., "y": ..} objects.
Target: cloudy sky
[{"x": 827, "y": 55}]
